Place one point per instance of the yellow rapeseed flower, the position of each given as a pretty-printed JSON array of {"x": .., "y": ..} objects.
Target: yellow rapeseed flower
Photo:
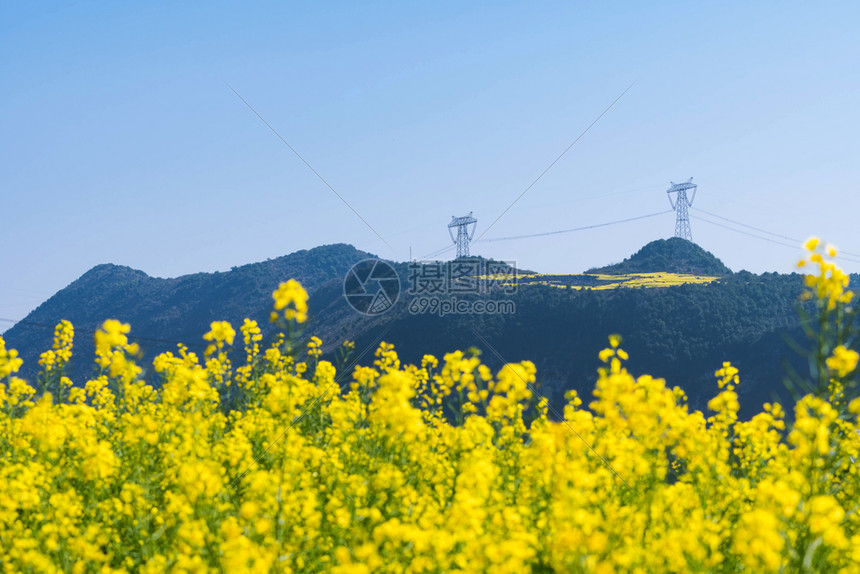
[
  {"x": 843, "y": 360},
  {"x": 437, "y": 467},
  {"x": 293, "y": 299}
]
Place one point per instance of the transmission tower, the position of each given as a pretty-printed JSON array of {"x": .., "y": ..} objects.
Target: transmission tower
[
  {"x": 680, "y": 205},
  {"x": 464, "y": 236}
]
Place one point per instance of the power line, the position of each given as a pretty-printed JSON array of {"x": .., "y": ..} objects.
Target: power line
[
  {"x": 437, "y": 252},
  {"x": 795, "y": 246},
  {"x": 846, "y": 255},
  {"x": 315, "y": 172},
  {"x": 543, "y": 173},
  {"x": 578, "y": 228},
  {"x": 747, "y": 233},
  {"x": 546, "y": 233},
  {"x": 797, "y": 241}
]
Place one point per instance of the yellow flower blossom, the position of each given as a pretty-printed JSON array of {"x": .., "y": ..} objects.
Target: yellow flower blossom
[
  {"x": 9, "y": 360},
  {"x": 314, "y": 347},
  {"x": 293, "y": 300},
  {"x": 220, "y": 331},
  {"x": 843, "y": 360},
  {"x": 437, "y": 467}
]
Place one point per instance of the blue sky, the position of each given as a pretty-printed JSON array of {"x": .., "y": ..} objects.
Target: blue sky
[{"x": 123, "y": 144}]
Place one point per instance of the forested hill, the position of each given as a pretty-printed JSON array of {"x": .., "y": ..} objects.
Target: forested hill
[
  {"x": 674, "y": 255},
  {"x": 164, "y": 311},
  {"x": 682, "y": 333}
]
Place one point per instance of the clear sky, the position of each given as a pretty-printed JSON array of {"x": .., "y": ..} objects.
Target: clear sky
[{"x": 121, "y": 142}]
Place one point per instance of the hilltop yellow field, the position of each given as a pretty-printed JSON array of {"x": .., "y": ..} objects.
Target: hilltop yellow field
[
  {"x": 599, "y": 281},
  {"x": 438, "y": 467}
]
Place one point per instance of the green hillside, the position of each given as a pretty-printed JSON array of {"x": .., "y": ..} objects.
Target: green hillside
[
  {"x": 682, "y": 332},
  {"x": 165, "y": 311},
  {"x": 673, "y": 255}
]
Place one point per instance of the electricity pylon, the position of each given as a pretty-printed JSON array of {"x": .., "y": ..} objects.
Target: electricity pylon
[
  {"x": 680, "y": 205},
  {"x": 464, "y": 236}
]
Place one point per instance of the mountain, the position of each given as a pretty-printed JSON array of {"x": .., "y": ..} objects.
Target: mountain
[
  {"x": 674, "y": 255},
  {"x": 682, "y": 333},
  {"x": 165, "y": 311}
]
